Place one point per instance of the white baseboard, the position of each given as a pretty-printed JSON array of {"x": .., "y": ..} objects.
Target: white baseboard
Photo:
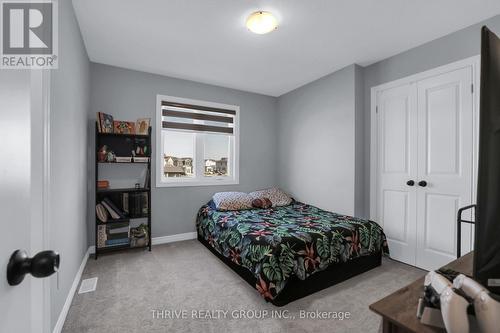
[
  {"x": 174, "y": 238},
  {"x": 67, "y": 304},
  {"x": 165, "y": 239}
]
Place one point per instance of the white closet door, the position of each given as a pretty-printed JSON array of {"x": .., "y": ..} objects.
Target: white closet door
[
  {"x": 445, "y": 139},
  {"x": 397, "y": 124}
]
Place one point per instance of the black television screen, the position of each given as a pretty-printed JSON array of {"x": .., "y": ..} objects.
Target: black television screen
[{"x": 487, "y": 228}]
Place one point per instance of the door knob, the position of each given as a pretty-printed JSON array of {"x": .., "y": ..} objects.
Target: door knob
[
  {"x": 43, "y": 264},
  {"x": 422, "y": 183},
  {"x": 410, "y": 183}
]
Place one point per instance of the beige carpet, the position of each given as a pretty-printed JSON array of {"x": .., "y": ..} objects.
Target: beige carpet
[{"x": 185, "y": 277}]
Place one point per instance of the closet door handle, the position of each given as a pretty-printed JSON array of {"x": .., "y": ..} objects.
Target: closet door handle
[
  {"x": 422, "y": 183},
  {"x": 410, "y": 183}
]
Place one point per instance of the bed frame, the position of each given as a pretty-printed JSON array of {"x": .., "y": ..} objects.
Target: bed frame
[{"x": 297, "y": 288}]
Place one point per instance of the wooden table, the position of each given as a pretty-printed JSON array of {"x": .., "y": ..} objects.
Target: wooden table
[{"x": 399, "y": 310}]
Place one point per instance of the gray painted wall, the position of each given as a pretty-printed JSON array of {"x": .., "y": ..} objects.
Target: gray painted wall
[
  {"x": 68, "y": 131},
  {"x": 316, "y": 141},
  {"x": 129, "y": 95},
  {"x": 359, "y": 126},
  {"x": 453, "y": 47}
]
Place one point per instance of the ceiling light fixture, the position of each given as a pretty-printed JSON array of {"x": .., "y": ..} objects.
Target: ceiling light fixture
[{"x": 262, "y": 22}]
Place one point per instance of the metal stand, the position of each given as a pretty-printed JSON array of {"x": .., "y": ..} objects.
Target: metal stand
[{"x": 459, "y": 226}]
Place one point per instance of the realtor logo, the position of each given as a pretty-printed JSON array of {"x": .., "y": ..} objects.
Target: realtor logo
[{"x": 29, "y": 34}]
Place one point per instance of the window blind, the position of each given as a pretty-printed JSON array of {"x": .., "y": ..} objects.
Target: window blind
[{"x": 197, "y": 118}]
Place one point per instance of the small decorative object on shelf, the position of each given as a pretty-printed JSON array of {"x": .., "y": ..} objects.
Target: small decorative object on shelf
[
  {"x": 121, "y": 159},
  {"x": 139, "y": 236},
  {"x": 118, "y": 208},
  {"x": 102, "y": 153},
  {"x": 102, "y": 184},
  {"x": 141, "y": 159},
  {"x": 110, "y": 156},
  {"x": 141, "y": 148}
]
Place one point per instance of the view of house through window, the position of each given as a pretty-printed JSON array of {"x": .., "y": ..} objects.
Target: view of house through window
[
  {"x": 198, "y": 144},
  {"x": 178, "y": 154},
  {"x": 216, "y": 154}
]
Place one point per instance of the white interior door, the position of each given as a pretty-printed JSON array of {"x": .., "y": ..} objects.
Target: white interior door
[
  {"x": 397, "y": 165},
  {"x": 445, "y": 141},
  {"x": 23, "y": 307}
]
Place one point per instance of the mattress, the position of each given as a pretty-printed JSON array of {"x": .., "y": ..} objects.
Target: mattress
[{"x": 296, "y": 241}]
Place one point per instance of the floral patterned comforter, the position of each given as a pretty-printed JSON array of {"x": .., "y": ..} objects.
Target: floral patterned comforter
[{"x": 297, "y": 239}]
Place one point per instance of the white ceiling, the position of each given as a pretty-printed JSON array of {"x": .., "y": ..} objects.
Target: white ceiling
[{"x": 207, "y": 41}]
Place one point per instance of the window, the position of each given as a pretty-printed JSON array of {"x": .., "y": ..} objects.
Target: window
[{"x": 197, "y": 141}]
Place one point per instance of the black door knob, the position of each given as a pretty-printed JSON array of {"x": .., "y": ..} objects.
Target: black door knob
[
  {"x": 410, "y": 183},
  {"x": 43, "y": 264},
  {"x": 422, "y": 183}
]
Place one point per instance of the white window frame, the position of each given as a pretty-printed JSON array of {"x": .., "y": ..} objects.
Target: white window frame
[{"x": 233, "y": 179}]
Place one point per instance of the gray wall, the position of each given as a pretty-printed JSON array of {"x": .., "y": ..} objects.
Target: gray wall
[
  {"x": 453, "y": 47},
  {"x": 129, "y": 95},
  {"x": 359, "y": 140},
  {"x": 316, "y": 141},
  {"x": 68, "y": 131}
]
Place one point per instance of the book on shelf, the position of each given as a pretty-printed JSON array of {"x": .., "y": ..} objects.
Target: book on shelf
[
  {"x": 142, "y": 126},
  {"x": 105, "y": 122},
  {"x": 124, "y": 127},
  {"x": 116, "y": 242},
  {"x": 125, "y": 202},
  {"x": 101, "y": 236},
  {"x": 118, "y": 227},
  {"x": 116, "y": 231},
  {"x": 98, "y": 121},
  {"x": 118, "y": 235},
  {"x": 101, "y": 212},
  {"x": 108, "y": 203},
  {"x": 114, "y": 215}
]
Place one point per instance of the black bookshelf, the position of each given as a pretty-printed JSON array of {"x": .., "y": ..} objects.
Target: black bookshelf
[{"x": 122, "y": 145}]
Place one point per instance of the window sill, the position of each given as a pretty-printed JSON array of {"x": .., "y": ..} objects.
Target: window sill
[{"x": 197, "y": 183}]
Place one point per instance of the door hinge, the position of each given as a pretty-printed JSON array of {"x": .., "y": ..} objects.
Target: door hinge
[
  {"x": 376, "y": 109},
  {"x": 472, "y": 88}
]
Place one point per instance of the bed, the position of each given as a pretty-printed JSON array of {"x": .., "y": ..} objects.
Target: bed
[{"x": 292, "y": 251}]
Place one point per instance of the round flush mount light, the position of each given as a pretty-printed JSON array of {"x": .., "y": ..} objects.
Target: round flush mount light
[{"x": 262, "y": 22}]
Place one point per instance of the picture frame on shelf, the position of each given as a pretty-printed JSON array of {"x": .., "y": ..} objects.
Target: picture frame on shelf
[
  {"x": 123, "y": 127},
  {"x": 142, "y": 126}
]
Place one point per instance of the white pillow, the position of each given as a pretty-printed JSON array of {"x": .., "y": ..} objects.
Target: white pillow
[
  {"x": 277, "y": 196},
  {"x": 232, "y": 201}
]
